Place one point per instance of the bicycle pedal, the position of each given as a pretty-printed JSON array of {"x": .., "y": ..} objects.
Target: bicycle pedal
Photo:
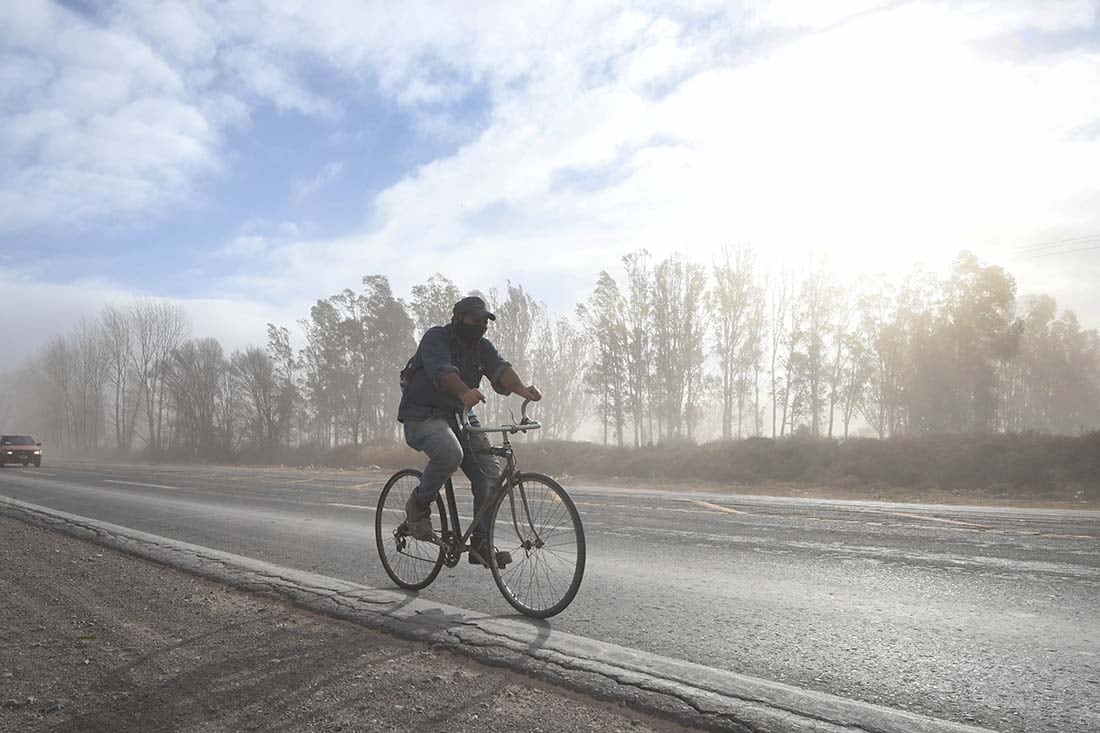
[{"x": 503, "y": 559}]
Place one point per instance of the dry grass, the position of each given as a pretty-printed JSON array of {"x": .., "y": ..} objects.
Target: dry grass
[{"x": 1020, "y": 465}]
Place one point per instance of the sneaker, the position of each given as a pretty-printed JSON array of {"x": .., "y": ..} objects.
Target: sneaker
[
  {"x": 479, "y": 554},
  {"x": 418, "y": 518}
]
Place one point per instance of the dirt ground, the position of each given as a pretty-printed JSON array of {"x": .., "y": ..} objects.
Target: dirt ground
[{"x": 95, "y": 640}]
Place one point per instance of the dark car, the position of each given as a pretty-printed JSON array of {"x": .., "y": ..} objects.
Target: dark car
[{"x": 20, "y": 449}]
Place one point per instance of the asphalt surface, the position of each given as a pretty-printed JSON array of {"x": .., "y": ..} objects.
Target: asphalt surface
[{"x": 981, "y": 616}]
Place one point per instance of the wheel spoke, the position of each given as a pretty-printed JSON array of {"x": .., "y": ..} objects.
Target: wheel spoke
[
  {"x": 543, "y": 580},
  {"x": 416, "y": 564}
]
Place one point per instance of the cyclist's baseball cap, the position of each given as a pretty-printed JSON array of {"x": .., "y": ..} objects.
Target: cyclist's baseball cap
[{"x": 472, "y": 306}]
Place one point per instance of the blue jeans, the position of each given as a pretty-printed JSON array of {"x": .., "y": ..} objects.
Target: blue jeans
[{"x": 439, "y": 438}]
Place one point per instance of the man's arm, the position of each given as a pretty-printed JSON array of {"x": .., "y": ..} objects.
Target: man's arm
[
  {"x": 435, "y": 350},
  {"x": 454, "y": 386},
  {"x": 509, "y": 380},
  {"x": 504, "y": 378}
]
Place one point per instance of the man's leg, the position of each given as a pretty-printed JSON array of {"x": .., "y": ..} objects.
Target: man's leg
[
  {"x": 483, "y": 470},
  {"x": 435, "y": 437}
]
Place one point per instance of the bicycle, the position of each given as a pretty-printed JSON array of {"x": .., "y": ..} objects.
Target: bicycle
[{"x": 532, "y": 517}]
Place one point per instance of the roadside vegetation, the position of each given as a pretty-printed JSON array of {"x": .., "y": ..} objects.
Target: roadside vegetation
[
  {"x": 918, "y": 467},
  {"x": 673, "y": 369}
]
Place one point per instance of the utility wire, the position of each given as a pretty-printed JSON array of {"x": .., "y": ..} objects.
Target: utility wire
[
  {"x": 1085, "y": 239},
  {"x": 1064, "y": 252}
]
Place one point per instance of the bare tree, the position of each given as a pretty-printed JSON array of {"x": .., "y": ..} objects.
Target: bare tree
[
  {"x": 559, "y": 367},
  {"x": 390, "y": 344},
  {"x": 777, "y": 319},
  {"x": 694, "y": 345},
  {"x": 118, "y": 342},
  {"x": 228, "y": 411},
  {"x": 255, "y": 373},
  {"x": 354, "y": 360},
  {"x": 90, "y": 373},
  {"x": 884, "y": 348},
  {"x": 602, "y": 316},
  {"x": 679, "y": 305},
  {"x": 194, "y": 379},
  {"x": 817, "y": 302},
  {"x": 794, "y": 363},
  {"x": 286, "y": 369},
  {"x": 159, "y": 327},
  {"x": 53, "y": 391},
  {"x": 638, "y": 323},
  {"x": 514, "y": 333},
  {"x": 752, "y": 352},
  {"x": 322, "y": 361},
  {"x": 730, "y": 304}
]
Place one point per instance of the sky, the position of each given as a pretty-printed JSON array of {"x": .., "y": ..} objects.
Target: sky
[{"x": 245, "y": 159}]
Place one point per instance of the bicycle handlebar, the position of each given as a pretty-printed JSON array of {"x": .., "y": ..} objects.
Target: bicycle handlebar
[{"x": 523, "y": 426}]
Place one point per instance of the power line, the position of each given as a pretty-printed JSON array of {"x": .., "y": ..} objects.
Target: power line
[
  {"x": 1057, "y": 242},
  {"x": 1064, "y": 252}
]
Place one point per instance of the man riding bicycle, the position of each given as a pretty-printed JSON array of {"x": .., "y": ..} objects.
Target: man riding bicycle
[{"x": 444, "y": 377}]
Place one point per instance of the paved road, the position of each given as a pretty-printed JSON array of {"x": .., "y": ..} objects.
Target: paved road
[{"x": 981, "y": 616}]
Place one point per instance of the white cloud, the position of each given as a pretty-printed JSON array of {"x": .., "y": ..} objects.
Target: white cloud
[
  {"x": 876, "y": 132},
  {"x": 102, "y": 125},
  {"x": 248, "y": 245},
  {"x": 888, "y": 136},
  {"x": 268, "y": 79},
  {"x": 303, "y": 189}
]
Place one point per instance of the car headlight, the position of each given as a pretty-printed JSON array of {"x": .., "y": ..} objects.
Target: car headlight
[
  {"x": 38, "y": 452},
  {"x": 11, "y": 453}
]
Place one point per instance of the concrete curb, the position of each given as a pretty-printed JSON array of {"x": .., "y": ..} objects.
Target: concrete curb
[{"x": 689, "y": 693}]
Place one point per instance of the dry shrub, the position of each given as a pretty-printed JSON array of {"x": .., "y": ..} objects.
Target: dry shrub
[
  {"x": 1028, "y": 461},
  {"x": 1020, "y": 463}
]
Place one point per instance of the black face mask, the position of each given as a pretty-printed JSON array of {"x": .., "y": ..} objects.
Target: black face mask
[{"x": 469, "y": 333}]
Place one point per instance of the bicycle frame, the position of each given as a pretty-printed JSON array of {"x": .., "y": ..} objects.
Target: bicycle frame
[{"x": 509, "y": 479}]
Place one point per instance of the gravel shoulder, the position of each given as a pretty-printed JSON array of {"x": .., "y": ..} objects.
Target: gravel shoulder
[{"x": 96, "y": 640}]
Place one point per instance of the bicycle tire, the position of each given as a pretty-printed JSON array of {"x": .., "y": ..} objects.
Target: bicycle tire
[
  {"x": 529, "y": 585},
  {"x": 395, "y": 561}
]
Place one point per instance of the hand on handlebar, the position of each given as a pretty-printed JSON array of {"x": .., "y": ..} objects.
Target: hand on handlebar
[
  {"x": 529, "y": 393},
  {"x": 471, "y": 397}
]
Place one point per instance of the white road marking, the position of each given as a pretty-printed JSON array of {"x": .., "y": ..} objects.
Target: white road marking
[
  {"x": 350, "y": 506},
  {"x": 135, "y": 483},
  {"x": 640, "y": 507},
  {"x": 717, "y": 508},
  {"x": 937, "y": 519},
  {"x": 1069, "y": 536}
]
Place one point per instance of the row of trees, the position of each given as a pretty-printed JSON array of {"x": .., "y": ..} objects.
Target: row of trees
[
  {"x": 679, "y": 344},
  {"x": 344, "y": 382},
  {"x": 672, "y": 350},
  {"x": 132, "y": 380}
]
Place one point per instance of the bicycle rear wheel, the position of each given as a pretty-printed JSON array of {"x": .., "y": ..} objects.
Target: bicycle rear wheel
[
  {"x": 411, "y": 563},
  {"x": 538, "y": 524}
]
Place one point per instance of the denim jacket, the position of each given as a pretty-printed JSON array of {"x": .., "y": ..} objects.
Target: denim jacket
[{"x": 439, "y": 353}]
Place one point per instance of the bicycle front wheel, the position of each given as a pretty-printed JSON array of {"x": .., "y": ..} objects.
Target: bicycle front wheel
[
  {"x": 538, "y": 524},
  {"x": 411, "y": 563}
]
